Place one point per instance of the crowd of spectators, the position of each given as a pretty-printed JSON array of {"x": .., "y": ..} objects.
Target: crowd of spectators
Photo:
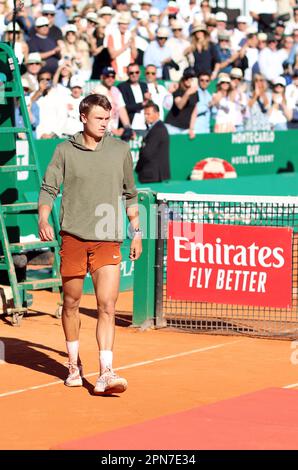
[{"x": 180, "y": 46}]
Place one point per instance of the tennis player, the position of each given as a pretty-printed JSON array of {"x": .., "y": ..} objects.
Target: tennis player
[{"x": 96, "y": 172}]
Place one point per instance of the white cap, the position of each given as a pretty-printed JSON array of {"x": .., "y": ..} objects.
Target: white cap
[
  {"x": 143, "y": 15},
  {"x": 221, "y": 16},
  {"x": 154, "y": 11},
  {"x": 251, "y": 30},
  {"x": 280, "y": 81},
  {"x": 148, "y": 2},
  {"x": 34, "y": 58},
  {"x": 76, "y": 81},
  {"x": 174, "y": 5},
  {"x": 41, "y": 21},
  {"x": 162, "y": 32},
  {"x": 70, "y": 28},
  {"x": 91, "y": 16},
  {"x": 9, "y": 27},
  {"x": 223, "y": 78},
  {"x": 48, "y": 8},
  {"x": 135, "y": 8},
  {"x": 105, "y": 11},
  {"x": 242, "y": 19},
  {"x": 176, "y": 24}
]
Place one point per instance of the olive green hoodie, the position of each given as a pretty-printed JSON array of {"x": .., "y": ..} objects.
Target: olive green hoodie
[{"x": 94, "y": 184}]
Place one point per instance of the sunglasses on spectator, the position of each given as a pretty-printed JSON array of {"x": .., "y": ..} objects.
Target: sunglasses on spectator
[
  {"x": 134, "y": 72},
  {"x": 49, "y": 14},
  {"x": 110, "y": 76},
  {"x": 235, "y": 78},
  {"x": 176, "y": 29},
  {"x": 162, "y": 39},
  {"x": 48, "y": 79},
  {"x": 206, "y": 80},
  {"x": 150, "y": 73}
]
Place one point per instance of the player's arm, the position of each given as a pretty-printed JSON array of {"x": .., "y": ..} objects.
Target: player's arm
[{"x": 48, "y": 192}]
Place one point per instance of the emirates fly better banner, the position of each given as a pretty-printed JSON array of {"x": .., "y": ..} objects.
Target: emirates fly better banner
[{"x": 228, "y": 264}]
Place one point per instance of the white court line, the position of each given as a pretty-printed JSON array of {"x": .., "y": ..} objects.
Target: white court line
[
  {"x": 129, "y": 366},
  {"x": 291, "y": 386}
]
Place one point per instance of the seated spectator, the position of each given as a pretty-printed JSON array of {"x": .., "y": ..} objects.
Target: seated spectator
[
  {"x": 154, "y": 162},
  {"x": 47, "y": 47},
  {"x": 33, "y": 111},
  {"x": 183, "y": 111},
  {"x": 263, "y": 13},
  {"x": 239, "y": 98},
  {"x": 251, "y": 52},
  {"x": 62, "y": 77},
  {"x": 33, "y": 67},
  {"x": 279, "y": 112},
  {"x": 270, "y": 60},
  {"x": 121, "y": 46},
  {"x": 224, "y": 106},
  {"x": 52, "y": 110},
  {"x": 259, "y": 101},
  {"x": 119, "y": 113},
  {"x": 202, "y": 52},
  {"x": 292, "y": 100},
  {"x": 221, "y": 20},
  {"x": 158, "y": 54},
  {"x": 72, "y": 123},
  {"x": 49, "y": 11},
  {"x": 159, "y": 94},
  {"x": 77, "y": 49},
  {"x": 202, "y": 123},
  {"x": 240, "y": 32},
  {"x": 177, "y": 45},
  {"x": 21, "y": 49},
  {"x": 100, "y": 52}
]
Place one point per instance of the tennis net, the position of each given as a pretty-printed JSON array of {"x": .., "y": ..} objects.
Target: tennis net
[{"x": 261, "y": 306}]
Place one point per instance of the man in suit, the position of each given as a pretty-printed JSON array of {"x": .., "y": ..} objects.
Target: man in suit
[
  {"x": 136, "y": 95},
  {"x": 153, "y": 164}
]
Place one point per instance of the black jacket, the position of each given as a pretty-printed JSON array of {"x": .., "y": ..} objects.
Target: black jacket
[
  {"x": 154, "y": 162},
  {"x": 131, "y": 106}
]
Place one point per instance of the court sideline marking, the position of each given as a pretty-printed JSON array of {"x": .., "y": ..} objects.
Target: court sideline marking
[{"x": 129, "y": 366}]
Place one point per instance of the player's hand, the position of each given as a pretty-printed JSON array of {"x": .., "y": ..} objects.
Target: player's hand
[
  {"x": 135, "y": 249},
  {"x": 45, "y": 231}
]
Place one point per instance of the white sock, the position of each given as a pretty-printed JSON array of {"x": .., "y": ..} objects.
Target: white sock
[
  {"x": 105, "y": 360},
  {"x": 73, "y": 351}
]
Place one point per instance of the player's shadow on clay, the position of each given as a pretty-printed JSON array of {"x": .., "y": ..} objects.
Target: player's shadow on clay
[{"x": 34, "y": 356}]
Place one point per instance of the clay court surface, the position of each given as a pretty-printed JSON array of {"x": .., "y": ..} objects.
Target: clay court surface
[{"x": 186, "y": 391}]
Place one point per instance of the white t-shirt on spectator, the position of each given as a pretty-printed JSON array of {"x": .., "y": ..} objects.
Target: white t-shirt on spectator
[
  {"x": 138, "y": 122},
  {"x": 270, "y": 63},
  {"x": 161, "y": 97},
  {"x": 115, "y": 97},
  {"x": 262, "y": 6}
]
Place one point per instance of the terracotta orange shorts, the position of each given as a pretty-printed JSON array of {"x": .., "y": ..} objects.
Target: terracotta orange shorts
[{"x": 79, "y": 256}]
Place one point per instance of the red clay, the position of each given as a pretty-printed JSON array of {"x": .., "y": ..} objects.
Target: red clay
[{"x": 50, "y": 416}]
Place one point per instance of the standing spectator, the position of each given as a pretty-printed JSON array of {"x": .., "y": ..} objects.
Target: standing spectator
[
  {"x": 33, "y": 64},
  {"x": 46, "y": 46},
  {"x": 292, "y": 25},
  {"x": 153, "y": 164},
  {"x": 202, "y": 123},
  {"x": 101, "y": 55},
  {"x": 158, "y": 54},
  {"x": 221, "y": 19},
  {"x": 177, "y": 45},
  {"x": 76, "y": 48},
  {"x": 118, "y": 112},
  {"x": 136, "y": 96},
  {"x": 62, "y": 77},
  {"x": 259, "y": 102},
  {"x": 224, "y": 106},
  {"x": 270, "y": 60},
  {"x": 185, "y": 99},
  {"x": 121, "y": 46},
  {"x": 205, "y": 56},
  {"x": 279, "y": 112},
  {"x": 159, "y": 94}
]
